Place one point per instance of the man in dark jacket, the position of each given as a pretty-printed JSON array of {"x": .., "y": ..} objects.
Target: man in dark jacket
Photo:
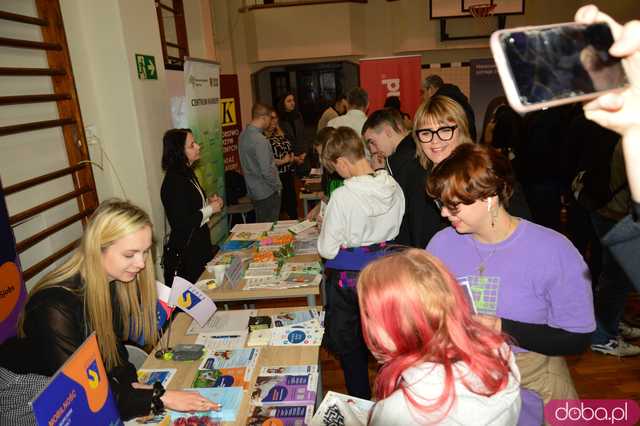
[
  {"x": 433, "y": 86},
  {"x": 392, "y": 147}
]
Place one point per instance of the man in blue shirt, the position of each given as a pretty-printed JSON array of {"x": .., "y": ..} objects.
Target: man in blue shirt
[{"x": 259, "y": 167}]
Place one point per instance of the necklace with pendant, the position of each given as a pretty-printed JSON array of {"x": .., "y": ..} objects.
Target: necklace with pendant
[{"x": 483, "y": 260}]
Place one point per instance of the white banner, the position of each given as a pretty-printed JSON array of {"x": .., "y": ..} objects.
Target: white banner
[{"x": 202, "y": 112}]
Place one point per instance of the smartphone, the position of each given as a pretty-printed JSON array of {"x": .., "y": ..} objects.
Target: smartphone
[{"x": 551, "y": 65}]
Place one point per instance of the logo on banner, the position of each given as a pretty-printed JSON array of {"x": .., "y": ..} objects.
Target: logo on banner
[
  {"x": 197, "y": 82},
  {"x": 228, "y": 112},
  {"x": 188, "y": 300},
  {"x": 10, "y": 288},
  {"x": 93, "y": 376},
  {"x": 393, "y": 86}
]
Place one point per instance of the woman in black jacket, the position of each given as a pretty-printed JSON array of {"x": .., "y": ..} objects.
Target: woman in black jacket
[
  {"x": 187, "y": 208},
  {"x": 292, "y": 125},
  {"x": 106, "y": 286}
]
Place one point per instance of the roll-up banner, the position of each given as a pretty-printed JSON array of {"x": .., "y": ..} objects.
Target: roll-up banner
[
  {"x": 202, "y": 114},
  {"x": 392, "y": 76},
  {"x": 231, "y": 120}
]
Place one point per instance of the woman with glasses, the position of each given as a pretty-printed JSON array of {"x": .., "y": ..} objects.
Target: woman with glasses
[
  {"x": 440, "y": 126},
  {"x": 527, "y": 281},
  {"x": 284, "y": 158}
]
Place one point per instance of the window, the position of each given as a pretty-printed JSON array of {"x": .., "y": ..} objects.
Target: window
[{"x": 173, "y": 33}]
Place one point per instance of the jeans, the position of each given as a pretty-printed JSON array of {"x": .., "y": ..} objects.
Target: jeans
[
  {"x": 267, "y": 209},
  {"x": 613, "y": 288}
]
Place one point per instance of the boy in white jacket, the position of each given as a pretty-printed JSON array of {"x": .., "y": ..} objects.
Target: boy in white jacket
[{"x": 360, "y": 218}]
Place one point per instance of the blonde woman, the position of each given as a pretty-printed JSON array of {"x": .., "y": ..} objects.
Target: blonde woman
[
  {"x": 440, "y": 125},
  {"x": 106, "y": 286}
]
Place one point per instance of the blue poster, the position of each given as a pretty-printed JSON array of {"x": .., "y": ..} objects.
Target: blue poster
[
  {"x": 12, "y": 290},
  {"x": 79, "y": 392}
]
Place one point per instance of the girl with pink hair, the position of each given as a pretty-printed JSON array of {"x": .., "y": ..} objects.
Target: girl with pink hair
[{"x": 439, "y": 364}]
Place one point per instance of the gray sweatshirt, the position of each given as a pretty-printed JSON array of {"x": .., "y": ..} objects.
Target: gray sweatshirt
[{"x": 258, "y": 164}]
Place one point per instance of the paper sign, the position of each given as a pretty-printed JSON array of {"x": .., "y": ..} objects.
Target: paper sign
[{"x": 233, "y": 273}]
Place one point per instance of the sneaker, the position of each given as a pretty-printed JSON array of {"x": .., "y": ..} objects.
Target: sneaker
[
  {"x": 617, "y": 348},
  {"x": 628, "y": 332}
]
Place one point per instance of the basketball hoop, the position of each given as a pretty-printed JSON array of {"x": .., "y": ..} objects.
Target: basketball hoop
[{"x": 482, "y": 10}]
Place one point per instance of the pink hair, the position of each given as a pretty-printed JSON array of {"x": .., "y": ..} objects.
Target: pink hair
[{"x": 413, "y": 311}]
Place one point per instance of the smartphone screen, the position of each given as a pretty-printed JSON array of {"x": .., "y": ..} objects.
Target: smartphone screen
[{"x": 564, "y": 61}]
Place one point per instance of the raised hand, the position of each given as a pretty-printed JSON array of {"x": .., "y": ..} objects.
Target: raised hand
[{"x": 617, "y": 111}]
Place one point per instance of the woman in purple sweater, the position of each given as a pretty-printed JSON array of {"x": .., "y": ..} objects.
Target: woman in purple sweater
[{"x": 527, "y": 281}]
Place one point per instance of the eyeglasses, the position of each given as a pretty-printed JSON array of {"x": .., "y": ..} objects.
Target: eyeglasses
[
  {"x": 453, "y": 208},
  {"x": 444, "y": 133}
]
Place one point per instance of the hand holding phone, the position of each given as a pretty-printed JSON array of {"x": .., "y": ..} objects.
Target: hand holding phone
[
  {"x": 551, "y": 65},
  {"x": 617, "y": 111}
]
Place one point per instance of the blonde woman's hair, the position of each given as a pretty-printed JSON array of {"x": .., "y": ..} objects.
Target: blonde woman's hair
[
  {"x": 112, "y": 220},
  {"x": 443, "y": 109}
]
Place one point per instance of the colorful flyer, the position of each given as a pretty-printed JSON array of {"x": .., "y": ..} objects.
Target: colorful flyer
[
  {"x": 229, "y": 398},
  {"x": 297, "y": 336},
  {"x": 285, "y": 319},
  {"x": 150, "y": 376},
  {"x": 486, "y": 291},
  {"x": 232, "y": 358},
  {"x": 285, "y": 390},
  {"x": 78, "y": 394},
  {"x": 295, "y": 415},
  {"x": 221, "y": 378},
  {"x": 295, "y": 370}
]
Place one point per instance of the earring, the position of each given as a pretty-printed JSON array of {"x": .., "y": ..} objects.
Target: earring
[
  {"x": 494, "y": 216},
  {"x": 489, "y": 204}
]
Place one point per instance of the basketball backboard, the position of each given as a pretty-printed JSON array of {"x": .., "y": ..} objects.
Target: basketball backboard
[{"x": 460, "y": 8}]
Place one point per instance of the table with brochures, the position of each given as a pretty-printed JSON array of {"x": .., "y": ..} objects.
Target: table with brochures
[
  {"x": 226, "y": 294},
  {"x": 186, "y": 372},
  {"x": 242, "y": 291}
]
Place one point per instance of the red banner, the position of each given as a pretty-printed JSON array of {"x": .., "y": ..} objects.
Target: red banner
[
  {"x": 393, "y": 76},
  {"x": 230, "y": 120}
]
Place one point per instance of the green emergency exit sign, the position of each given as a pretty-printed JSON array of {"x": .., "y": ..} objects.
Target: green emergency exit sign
[{"x": 146, "y": 67}]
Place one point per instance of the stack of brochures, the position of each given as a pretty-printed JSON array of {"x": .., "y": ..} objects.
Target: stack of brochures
[
  {"x": 227, "y": 368},
  {"x": 298, "y": 328},
  {"x": 265, "y": 275},
  {"x": 284, "y": 393}
]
